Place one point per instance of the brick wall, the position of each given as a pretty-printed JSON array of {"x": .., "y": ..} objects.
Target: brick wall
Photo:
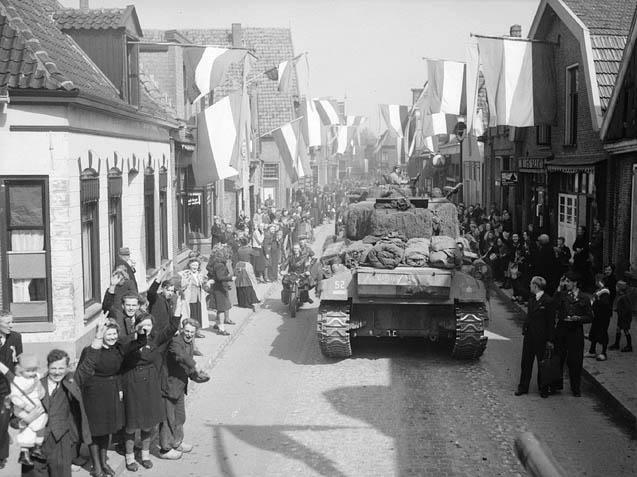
[{"x": 621, "y": 169}]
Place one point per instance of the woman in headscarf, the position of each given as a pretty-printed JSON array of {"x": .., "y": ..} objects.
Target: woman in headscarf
[{"x": 246, "y": 281}]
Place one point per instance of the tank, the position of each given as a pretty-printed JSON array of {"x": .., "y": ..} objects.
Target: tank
[{"x": 447, "y": 304}]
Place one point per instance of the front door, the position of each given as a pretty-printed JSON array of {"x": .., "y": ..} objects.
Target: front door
[{"x": 567, "y": 218}]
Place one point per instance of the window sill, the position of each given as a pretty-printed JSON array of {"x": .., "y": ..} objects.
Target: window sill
[
  {"x": 92, "y": 312},
  {"x": 34, "y": 327}
]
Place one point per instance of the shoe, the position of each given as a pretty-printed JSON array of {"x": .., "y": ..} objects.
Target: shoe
[
  {"x": 309, "y": 300},
  {"x": 199, "y": 334},
  {"x": 25, "y": 458},
  {"x": 132, "y": 467},
  {"x": 544, "y": 394},
  {"x": 95, "y": 473},
  {"x": 588, "y": 354},
  {"x": 184, "y": 448},
  {"x": 3, "y": 463},
  {"x": 520, "y": 392},
  {"x": 601, "y": 357},
  {"x": 172, "y": 454},
  {"x": 215, "y": 326},
  {"x": 627, "y": 349},
  {"x": 196, "y": 352},
  {"x": 223, "y": 333},
  {"x": 230, "y": 322},
  {"x": 577, "y": 394},
  {"x": 148, "y": 464},
  {"x": 613, "y": 346}
]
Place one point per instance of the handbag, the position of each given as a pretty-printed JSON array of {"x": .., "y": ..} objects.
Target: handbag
[{"x": 550, "y": 369}]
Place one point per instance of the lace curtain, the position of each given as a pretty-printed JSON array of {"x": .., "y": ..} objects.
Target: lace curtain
[{"x": 25, "y": 241}]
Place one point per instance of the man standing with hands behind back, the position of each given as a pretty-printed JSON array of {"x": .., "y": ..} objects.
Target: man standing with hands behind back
[{"x": 538, "y": 331}]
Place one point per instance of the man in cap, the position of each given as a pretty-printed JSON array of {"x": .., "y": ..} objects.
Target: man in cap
[
  {"x": 124, "y": 259},
  {"x": 573, "y": 310}
]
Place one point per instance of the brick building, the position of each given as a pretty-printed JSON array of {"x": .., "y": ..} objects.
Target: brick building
[
  {"x": 619, "y": 134},
  {"x": 85, "y": 166}
]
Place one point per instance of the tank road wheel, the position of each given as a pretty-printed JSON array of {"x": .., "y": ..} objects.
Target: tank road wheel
[
  {"x": 470, "y": 342},
  {"x": 332, "y": 326}
]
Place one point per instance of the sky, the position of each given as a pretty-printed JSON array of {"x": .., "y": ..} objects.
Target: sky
[{"x": 368, "y": 52}]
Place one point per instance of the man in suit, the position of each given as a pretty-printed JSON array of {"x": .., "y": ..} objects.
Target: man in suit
[
  {"x": 124, "y": 315},
  {"x": 538, "y": 331},
  {"x": 180, "y": 364},
  {"x": 10, "y": 349},
  {"x": 573, "y": 310},
  {"x": 124, "y": 259}
]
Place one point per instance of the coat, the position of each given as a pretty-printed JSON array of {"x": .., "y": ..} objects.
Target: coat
[
  {"x": 131, "y": 273},
  {"x": 8, "y": 358},
  {"x": 568, "y": 305},
  {"x": 180, "y": 364},
  {"x": 158, "y": 306},
  {"x": 539, "y": 325}
]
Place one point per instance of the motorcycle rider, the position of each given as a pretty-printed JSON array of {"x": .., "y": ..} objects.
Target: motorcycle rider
[{"x": 298, "y": 263}]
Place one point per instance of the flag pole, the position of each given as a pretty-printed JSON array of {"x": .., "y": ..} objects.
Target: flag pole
[
  {"x": 188, "y": 45},
  {"x": 270, "y": 132},
  {"x": 514, "y": 38}
]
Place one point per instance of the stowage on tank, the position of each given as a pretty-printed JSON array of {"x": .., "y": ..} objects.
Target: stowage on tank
[{"x": 398, "y": 267}]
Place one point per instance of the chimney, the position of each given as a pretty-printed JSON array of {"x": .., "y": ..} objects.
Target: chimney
[
  {"x": 515, "y": 31},
  {"x": 237, "y": 35},
  {"x": 84, "y": 5}
]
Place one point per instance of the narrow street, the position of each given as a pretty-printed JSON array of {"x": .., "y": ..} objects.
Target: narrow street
[{"x": 275, "y": 406}]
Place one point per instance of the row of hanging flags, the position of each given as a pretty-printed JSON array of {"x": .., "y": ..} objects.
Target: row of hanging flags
[
  {"x": 224, "y": 127},
  {"x": 516, "y": 73}
]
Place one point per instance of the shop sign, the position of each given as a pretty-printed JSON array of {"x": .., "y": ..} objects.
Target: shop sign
[
  {"x": 194, "y": 199},
  {"x": 508, "y": 178},
  {"x": 531, "y": 162}
]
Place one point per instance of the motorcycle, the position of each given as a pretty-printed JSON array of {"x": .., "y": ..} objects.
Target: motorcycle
[{"x": 290, "y": 293}]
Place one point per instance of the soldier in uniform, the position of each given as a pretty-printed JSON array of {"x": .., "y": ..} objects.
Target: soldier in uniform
[{"x": 573, "y": 310}]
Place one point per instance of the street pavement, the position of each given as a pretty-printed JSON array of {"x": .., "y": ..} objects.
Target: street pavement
[{"x": 276, "y": 407}]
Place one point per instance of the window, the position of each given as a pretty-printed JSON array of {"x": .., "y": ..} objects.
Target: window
[
  {"x": 570, "y": 120},
  {"x": 114, "y": 213},
  {"x": 543, "y": 135},
  {"x": 163, "y": 213},
  {"x": 149, "y": 216},
  {"x": 270, "y": 171},
  {"x": 25, "y": 248},
  {"x": 132, "y": 73},
  {"x": 89, "y": 202}
]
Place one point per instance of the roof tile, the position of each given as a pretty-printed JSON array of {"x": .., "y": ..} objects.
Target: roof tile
[{"x": 92, "y": 19}]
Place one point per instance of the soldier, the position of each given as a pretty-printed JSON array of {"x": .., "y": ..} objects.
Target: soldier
[
  {"x": 573, "y": 310},
  {"x": 538, "y": 331}
]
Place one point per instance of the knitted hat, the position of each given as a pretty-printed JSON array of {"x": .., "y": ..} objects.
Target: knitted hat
[{"x": 27, "y": 361}]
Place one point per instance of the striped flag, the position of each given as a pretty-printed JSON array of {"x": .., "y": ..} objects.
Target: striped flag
[
  {"x": 311, "y": 124},
  {"x": 357, "y": 121},
  {"x": 447, "y": 87},
  {"x": 520, "y": 81},
  {"x": 396, "y": 117},
  {"x": 287, "y": 141},
  {"x": 206, "y": 68},
  {"x": 282, "y": 74},
  {"x": 380, "y": 141},
  {"x": 218, "y": 140},
  {"x": 328, "y": 111},
  {"x": 302, "y": 166},
  {"x": 344, "y": 138}
]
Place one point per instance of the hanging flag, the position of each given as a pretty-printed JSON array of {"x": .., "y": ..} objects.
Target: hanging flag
[
  {"x": 302, "y": 166},
  {"x": 446, "y": 87},
  {"x": 311, "y": 123},
  {"x": 520, "y": 81},
  {"x": 287, "y": 140},
  {"x": 328, "y": 111},
  {"x": 283, "y": 73},
  {"x": 344, "y": 138},
  {"x": 206, "y": 68},
  {"x": 355, "y": 120},
  {"x": 438, "y": 123},
  {"x": 396, "y": 117},
  {"x": 380, "y": 141},
  {"x": 218, "y": 140}
]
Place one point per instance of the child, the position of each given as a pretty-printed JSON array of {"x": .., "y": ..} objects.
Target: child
[
  {"x": 26, "y": 394},
  {"x": 602, "y": 311},
  {"x": 624, "y": 317}
]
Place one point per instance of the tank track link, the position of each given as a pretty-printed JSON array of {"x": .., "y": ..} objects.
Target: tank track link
[
  {"x": 469, "y": 341},
  {"x": 332, "y": 328}
]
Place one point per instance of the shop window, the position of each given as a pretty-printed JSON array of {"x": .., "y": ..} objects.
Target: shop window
[
  {"x": 195, "y": 212},
  {"x": 149, "y": 216},
  {"x": 543, "y": 135},
  {"x": 114, "y": 213},
  {"x": 89, "y": 203},
  {"x": 25, "y": 248},
  {"x": 163, "y": 213},
  {"x": 570, "y": 118}
]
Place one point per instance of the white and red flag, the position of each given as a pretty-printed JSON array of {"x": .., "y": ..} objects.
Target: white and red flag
[
  {"x": 282, "y": 73},
  {"x": 288, "y": 141},
  {"x": 311, "y": 123},
  {"x": 446, "y": 81},
  {"x": 396, "y": 117},
  {"x": 206, "y": 68},
  {"x": 328, "y": 111}
]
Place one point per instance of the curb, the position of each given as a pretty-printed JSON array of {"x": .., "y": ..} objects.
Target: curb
[{"x": 598, "y": 385}]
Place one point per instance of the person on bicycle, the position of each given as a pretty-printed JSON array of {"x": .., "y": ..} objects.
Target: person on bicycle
[{"x": 298, "y": 263}]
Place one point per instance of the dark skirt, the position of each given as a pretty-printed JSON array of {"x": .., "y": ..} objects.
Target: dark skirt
[
  {"x": 221, "y": 300},
  {"x": 142, "y": 397},
  {"x": 258, "y": 261},
  {"x": 104, "y": 408},
  {"x": 246, "y": 297},
  {"x": 195, "y": 312}
]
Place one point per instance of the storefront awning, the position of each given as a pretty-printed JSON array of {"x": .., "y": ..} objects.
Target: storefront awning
[{"x": 572, "y": 165}]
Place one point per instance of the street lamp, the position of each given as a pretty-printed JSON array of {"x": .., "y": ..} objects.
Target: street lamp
[{"x": 461, "y": 131}]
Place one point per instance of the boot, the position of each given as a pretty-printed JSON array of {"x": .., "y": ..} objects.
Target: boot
[
  {"x": 25, "y": 458},
  {"x": 106, "y": 469},
  {"x": 618, "y": 336},
  {"x": 629, "y": 344},
  {"x": 94, "y": 451},
  {"x": 36, "y": 452}
]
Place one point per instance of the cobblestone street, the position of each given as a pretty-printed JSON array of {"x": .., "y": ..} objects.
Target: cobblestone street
[{"x": 275, "y": 406}]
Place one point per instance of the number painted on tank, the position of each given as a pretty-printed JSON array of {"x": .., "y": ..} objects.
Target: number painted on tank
[{"x": 339, "y": 285}]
